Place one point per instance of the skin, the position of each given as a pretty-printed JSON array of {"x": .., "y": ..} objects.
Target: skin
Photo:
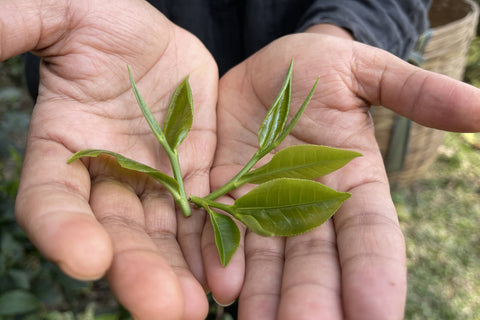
[
  {"x": 94, "y": 219},
  {"x": 91, "y": 217},
  {"x": 353, "y": 266}
]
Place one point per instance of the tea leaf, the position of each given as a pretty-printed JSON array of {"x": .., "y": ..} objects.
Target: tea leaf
[
  {"x": 227, "y": 235},
  {"x": 176, "y": 135},
  {"x": 302, "y": 162},
  {"x": 130, "y": 164},
  {"x": 179, "y": 118},
  {"x": 295, "y": 118},
  {"x": 277, "y": 115},
  {"x": 287, "y": 207},
  {"x": 152, "y": 122},
  {"x": 268, "y": 139}
]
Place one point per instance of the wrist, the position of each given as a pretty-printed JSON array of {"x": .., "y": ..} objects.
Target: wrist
[{"x": 330, "y": 29}]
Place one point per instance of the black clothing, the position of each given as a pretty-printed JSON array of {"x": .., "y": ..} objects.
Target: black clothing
[{"x": 234, "y": 29}]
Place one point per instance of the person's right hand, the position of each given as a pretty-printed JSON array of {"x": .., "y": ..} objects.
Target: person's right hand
[{"x": 91, "y": 217}]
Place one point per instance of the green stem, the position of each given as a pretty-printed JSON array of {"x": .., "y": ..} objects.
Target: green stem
[
  {"x": 205, "y": 203},
  {"x": 177, "y": 174},
  {"x": 236, "y": 181},
  {"x": 172, "y": 154}
]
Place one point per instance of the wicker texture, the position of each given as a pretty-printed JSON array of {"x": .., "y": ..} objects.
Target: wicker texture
[{"x": 453, "y": 26}]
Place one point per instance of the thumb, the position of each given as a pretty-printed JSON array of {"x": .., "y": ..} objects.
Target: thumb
[
  {"x": 429, "y": 98},
  {"x": 31, "y": 25}
]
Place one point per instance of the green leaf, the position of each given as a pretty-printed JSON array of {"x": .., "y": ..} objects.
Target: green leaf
[
  {"x": 277, "y": 115},
  {"x": 130, "y": 164},
  {"x": 18, "y": 302},
  {"x": 295, "y": 118},
  {"x": 152, "y": 122},
  {"x": 175, "y": 136},
  {"x": 227, "y": 235},
  {"x": 11, "y": 248},
  {"x": 20, "y": 278},
  {"x": 302, "y": 162},
  {"x": 287, "y": 207},
  {"x": 179, "y": 118}
]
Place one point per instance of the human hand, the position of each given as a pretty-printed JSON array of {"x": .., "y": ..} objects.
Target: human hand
[
  {"x": 354, "y": 265},
  {"x": 91, "y": 217}
]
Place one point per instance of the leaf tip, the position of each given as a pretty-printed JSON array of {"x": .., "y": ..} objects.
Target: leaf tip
[
  {"x": 71, "y": 159},
  {"x": 347, "y": 195},
  {"x": 77, "y": 155},
  {"x": 129, "y": 72}
]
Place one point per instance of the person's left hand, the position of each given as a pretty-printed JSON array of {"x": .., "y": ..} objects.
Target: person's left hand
[{"x": 354, "y": 265}]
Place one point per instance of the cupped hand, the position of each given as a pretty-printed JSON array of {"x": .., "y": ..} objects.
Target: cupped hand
[
  {"x": 354, "y": 265},
  {"x": 91, "y": 217}
]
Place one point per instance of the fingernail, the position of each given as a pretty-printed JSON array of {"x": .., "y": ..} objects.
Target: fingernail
[{"x": 222, "y": 304}]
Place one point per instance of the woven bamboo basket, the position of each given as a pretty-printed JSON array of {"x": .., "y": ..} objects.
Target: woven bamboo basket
[{"x": 452, "y": 27}]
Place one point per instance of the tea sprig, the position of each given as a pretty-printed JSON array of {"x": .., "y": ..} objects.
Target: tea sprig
[{"x": 286, "y": 202}]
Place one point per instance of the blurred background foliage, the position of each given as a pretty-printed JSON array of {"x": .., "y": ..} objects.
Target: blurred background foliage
[
  {"x": 30, "y": 286},
  {"x": 439, "y": 215}
]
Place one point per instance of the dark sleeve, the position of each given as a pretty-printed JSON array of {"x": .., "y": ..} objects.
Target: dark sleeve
[
  {"x": 392, "y": 25},
  {"x": 232, "y": 30}
]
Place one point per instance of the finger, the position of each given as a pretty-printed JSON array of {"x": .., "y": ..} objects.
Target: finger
[
  {"x": 370, "y": 243},
  {"x": 140, "y": 276},
  {"x": 311, "y": 277},
  {"x": 199, "y": 154},
  {"x": 52, "y": 208},
  {"x": 161, "y": 226},
  {"x": 189, "y": 238},
  {"x": 264, "y": 259},
  {"x": 428, "y": 98},
  {"x": 224, "y": 282},
  {"x": 26, "y": 25},
  {"x": 372, "y": 255}
]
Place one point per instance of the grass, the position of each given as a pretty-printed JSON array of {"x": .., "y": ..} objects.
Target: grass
[{"x": 439, "y": 215}]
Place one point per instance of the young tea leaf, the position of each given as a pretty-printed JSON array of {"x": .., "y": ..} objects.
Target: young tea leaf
[
  {"x": 295, "y": 118},
  {"x": 179, "y": 118},
  {"x": 302, "y": 162},
  {"x": 227, "y": 235},
  {"x": 271, "y": 133},
  {"x": 130, "y": 164},
  {"x": 152, "y": 122},
  {"x": 287, "y": 207},
  {"x": 277, "y": 115}
]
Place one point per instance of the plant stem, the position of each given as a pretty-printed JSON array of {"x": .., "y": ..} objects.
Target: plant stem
[
  {"x": 236, "y": 182},
  {"x": 177, "y": 173},
  {"x": 204, "y": 203},
  {"x": 172, "y": 154}
]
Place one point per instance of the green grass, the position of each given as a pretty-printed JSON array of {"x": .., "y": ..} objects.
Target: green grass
[{"x": 440, "y": 217}]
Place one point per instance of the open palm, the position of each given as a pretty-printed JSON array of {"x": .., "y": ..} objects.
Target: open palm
[
  {"x": 353, "y": 266},
  {"x": 92, "y": 217}
]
